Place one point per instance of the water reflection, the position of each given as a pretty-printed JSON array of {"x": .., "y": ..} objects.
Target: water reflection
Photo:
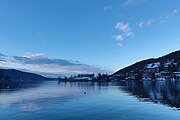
[
  {"x": 159, "y": 92},
  {"x": 85, "y": 85},
  {"x": 17, "y": 85},
  {"x": 163, "y": 92}
]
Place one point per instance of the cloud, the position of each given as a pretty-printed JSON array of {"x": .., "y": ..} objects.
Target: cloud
[
  {"x": 44, "y": 64},
  {"x": 127, "y": 3},
  {"x": 175, "y": 11},
  {"x": 160, "y": 20},
  {"x": 120, "y": 44},
  {"x": 34, "y": 56},
  {"x": 146, "y": 23},
  {"x": 131, "y": 3},
  {"x": 122, "y": 26},
  {"x": 178, "y": 39},
  {"x": 1, "y": 54},
  {"x": 165, "y": 16},
  {"x": 119, "y": 37},
  {"x": 125, "y": 31},
  {"x": 107, "y": 7}
]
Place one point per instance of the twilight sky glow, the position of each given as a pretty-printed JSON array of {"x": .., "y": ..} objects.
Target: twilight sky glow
[{"x": 80, "y": 36}]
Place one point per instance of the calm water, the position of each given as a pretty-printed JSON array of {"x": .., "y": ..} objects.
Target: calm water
[{"x": 103, "y": 101}]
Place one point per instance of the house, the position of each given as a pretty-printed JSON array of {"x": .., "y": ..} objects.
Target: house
[{"x": 83, "y": 78}]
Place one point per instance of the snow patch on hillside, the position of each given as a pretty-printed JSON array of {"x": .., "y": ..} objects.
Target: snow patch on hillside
[{"x": 153, "y": 65}]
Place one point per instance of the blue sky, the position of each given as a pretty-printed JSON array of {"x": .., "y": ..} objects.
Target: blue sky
[{"x": 104, "y": 34}]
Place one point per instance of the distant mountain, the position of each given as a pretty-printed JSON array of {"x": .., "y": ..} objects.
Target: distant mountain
[
  {"x": 165, "y": 67},
  {"x": 16, "y": 75},
  {"x": 44, "y": 62}
]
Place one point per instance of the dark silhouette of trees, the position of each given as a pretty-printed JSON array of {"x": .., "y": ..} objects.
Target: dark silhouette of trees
[
  {"x": 4, "y": 80},
  {"x": 139, "y": 76},
  {"x": 153, "y": 76},
  {"x": 59, "y": 78},
  {"x": 101, "y": 77}
]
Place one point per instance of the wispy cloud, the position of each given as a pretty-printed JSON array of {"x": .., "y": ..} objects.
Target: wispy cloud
[
  {"x": 124, "y": 27},
  {"x": 107, "y": 7},
  {"x": 2, "y": 54},
  {"x": 178, "y": 39},
  {"x": 124, "y": 31},
  {"x": 35, "y": 56},
  {"x": 159, "y": 20},
  {"x": 45, "y": 64},
  {"x": 146, "y": 23},
  {"x": 120, "y": 45},
  {"x": 128, "y": 3},
  {"x": 119, "y": 37},
  {"x": 165, "y": 16}
]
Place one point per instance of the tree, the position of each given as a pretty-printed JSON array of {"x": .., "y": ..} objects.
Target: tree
[
  {"x": 172, "y": 68},
  {"x": 153, "y": 76},
  {"x": 4, "y": 80},
  {"x": 1, "y": 75},
  {"x": 99, "y": 77},
  {"x": 59, "y": 78},
  {"x": 161, "y": 68},
  {"x": 139, "y": 76},
  {"x": 78, "y": 75}
]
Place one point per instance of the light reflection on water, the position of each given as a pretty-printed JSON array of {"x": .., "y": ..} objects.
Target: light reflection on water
[
  {"x": 127, "y": 100},
  {"x": 44, "y": 91}
]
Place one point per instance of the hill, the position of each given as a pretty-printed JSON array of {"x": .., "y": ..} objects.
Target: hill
[
  {"x": 17, "y": 75},
  {"x": 165, "y": 67}
]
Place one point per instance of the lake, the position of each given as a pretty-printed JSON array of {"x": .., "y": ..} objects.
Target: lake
[{"x": 126, "y": 100}]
